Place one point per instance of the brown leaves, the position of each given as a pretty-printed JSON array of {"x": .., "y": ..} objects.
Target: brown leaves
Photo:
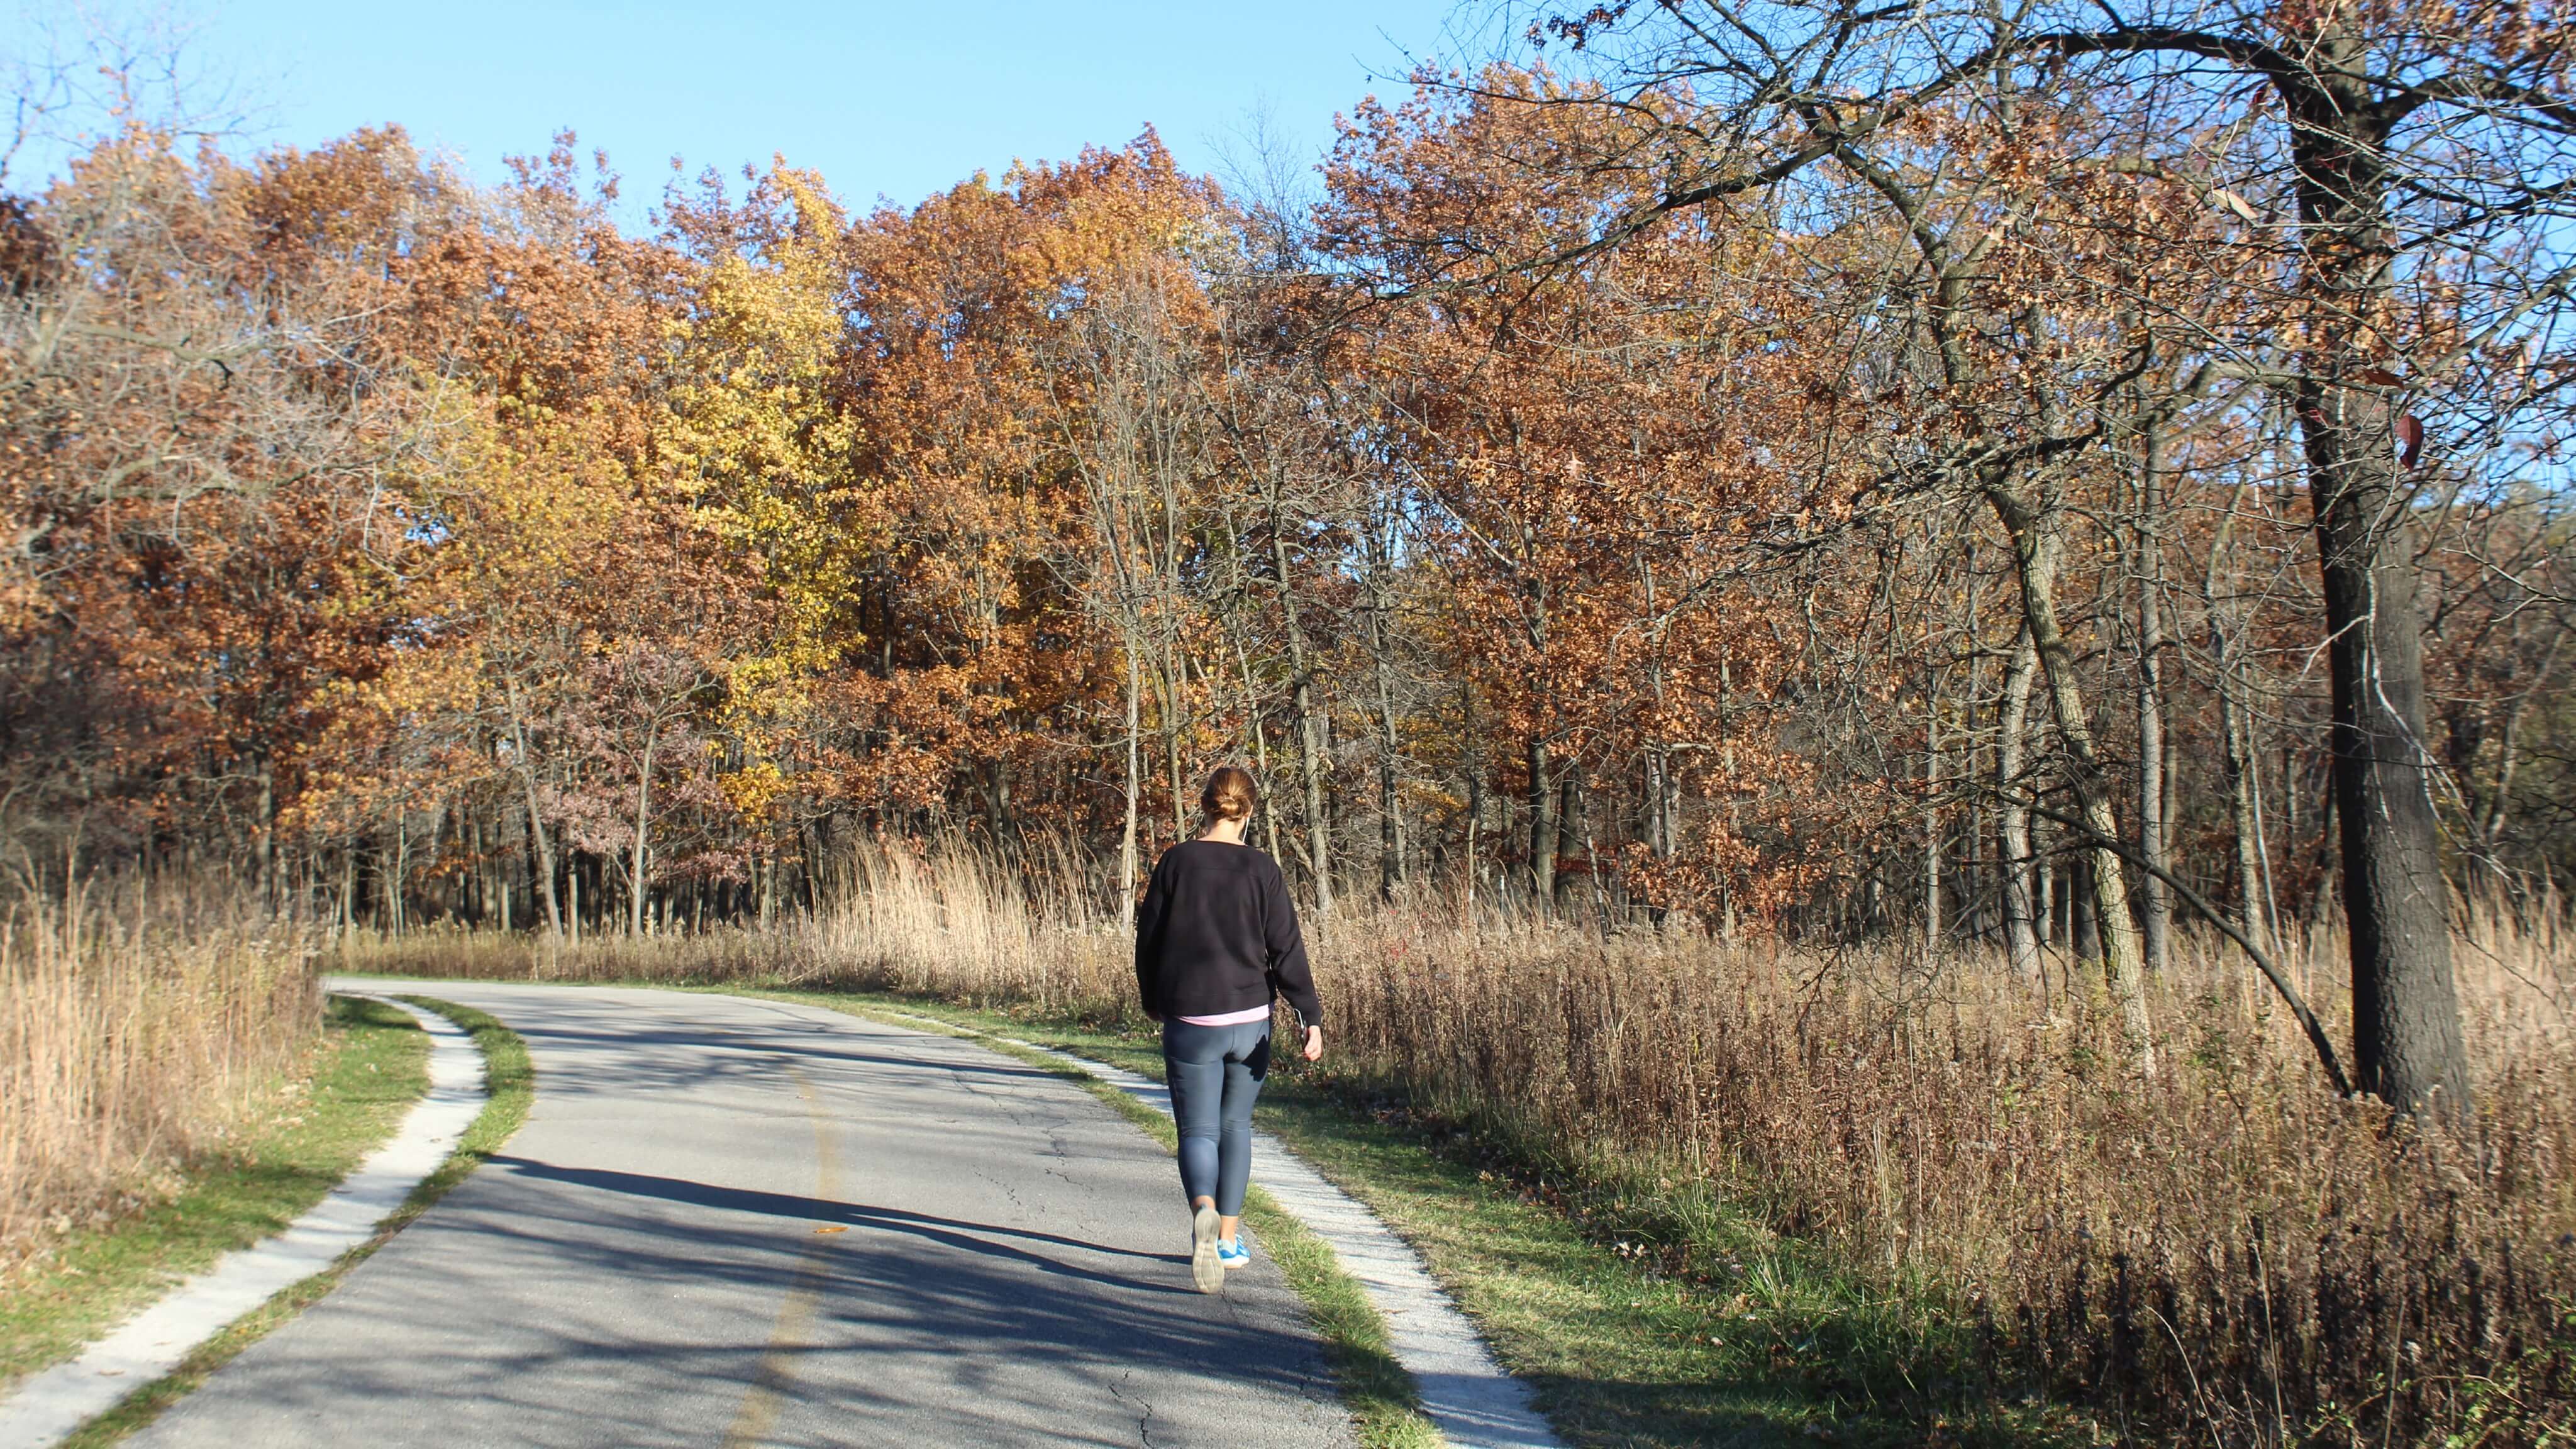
[{"x": 2235, "y": 203}]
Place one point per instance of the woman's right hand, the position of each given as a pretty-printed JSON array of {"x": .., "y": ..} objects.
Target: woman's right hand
[{"x": 1314, "y": 1043}]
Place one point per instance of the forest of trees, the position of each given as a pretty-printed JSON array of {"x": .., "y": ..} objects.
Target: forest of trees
[{"x": 2028, "y": 477}]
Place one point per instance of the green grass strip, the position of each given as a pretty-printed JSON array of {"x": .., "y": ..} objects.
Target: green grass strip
[
  {"x": 511, "y": 1082},
  {"x": 371, "y": 1065},
  {"x": 1380, "y": 1394}
]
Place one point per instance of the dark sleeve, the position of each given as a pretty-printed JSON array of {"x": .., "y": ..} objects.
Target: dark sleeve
[
  {"x": 1286, "y": 947},
  {"x": 1149, "y": 934}
]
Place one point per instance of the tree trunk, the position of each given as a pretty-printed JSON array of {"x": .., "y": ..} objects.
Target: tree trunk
[
  {"x": 1390, "y": 793},
  {"x": 1475, "y": 793},
  {"x": 2235, "y": 731},
  {"x": 2021, "y": 939},
  {"x": 1569, "y": 823},
  {"x": 1661, "y": 804},
  {"x": 395, "y": 889},
  {"x": 1127, "y": 834},
  {"x": 2044, "y": 894},
  {"x": 1310, "y": 759},
  {"x": 1542, "y": 830},
  {"x": 545, "y": 850},
  {"x": 1173, "y": 710},
  {"x": 1663, "y": 792},
  {"x": 1390, "y": 826},
  {"x": 1260, "y": 749},
  {"x": 643, "y": 821},
  {"x": 2035, "y": 548},
  {"x": 2329, "y": 854},
  {"x": 1309, "y": 728},
  {"x": 2406, "y": 1014},
  {"x": 2083, "y": 913},
  {"x": 1932, "y": 821},
  {"x": 2487, "y": 817},
  {"x": 267, "y": 827},
  {"x": 348, "y": 890},
  {"x": 2155, "y": 910}
]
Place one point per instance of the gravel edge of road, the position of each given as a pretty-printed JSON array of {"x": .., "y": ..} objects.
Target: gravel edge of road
[{"x": 505, "y": 1085}]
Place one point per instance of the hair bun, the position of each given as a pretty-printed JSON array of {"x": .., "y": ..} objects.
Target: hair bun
[{"x": 1229, "y": 795}]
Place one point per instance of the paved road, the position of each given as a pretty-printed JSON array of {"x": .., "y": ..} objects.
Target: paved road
[{"x": 642, "y": 1264}]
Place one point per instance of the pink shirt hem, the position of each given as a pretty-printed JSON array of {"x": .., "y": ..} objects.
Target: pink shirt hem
[{"x": 1231, "y": 1018}]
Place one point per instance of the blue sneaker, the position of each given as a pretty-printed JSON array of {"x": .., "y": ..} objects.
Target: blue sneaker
[{"x": 1232, "y": 1253}]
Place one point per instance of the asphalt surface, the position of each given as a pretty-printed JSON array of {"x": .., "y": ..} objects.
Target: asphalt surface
[{"x": 650, "y": 1261}]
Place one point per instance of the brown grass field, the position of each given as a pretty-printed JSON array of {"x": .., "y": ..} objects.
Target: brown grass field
[
  {"x": 136, "y": 1030},
  {"x": 2219, "y": 1252}
]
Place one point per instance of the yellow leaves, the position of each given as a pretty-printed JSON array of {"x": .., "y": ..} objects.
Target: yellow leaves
[
  {"x": 755, "y": 790},
  {"x": 751, "y": 436}
]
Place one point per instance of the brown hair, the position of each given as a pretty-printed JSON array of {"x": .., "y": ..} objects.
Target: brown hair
[{"x": 1229, "y": 794}]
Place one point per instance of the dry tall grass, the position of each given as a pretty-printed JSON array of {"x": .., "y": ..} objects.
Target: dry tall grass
[
  {"x": 950, "y": 923},
  {"x": 133, "y": 1033},
  {"x": 2220, "y": 1253}
]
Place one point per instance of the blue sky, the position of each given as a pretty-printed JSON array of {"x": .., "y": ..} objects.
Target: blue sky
[{"x": 892, "y": 100}]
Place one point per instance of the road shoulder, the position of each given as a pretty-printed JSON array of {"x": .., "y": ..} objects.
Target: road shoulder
[
  {"x": 369, "y": 1066},
  {"x": 121, "y": 1381}
]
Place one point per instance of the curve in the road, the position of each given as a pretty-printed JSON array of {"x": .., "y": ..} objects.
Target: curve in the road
[{"x": 739, "y": 1221}]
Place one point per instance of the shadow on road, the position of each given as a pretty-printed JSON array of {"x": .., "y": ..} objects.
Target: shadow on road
[{"x": 824, "y": 1211}]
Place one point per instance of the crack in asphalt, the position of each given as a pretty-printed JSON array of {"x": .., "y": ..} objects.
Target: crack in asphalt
[{"x": 1145, "y": 1420}]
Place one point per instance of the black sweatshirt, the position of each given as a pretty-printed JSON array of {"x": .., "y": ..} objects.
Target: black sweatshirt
[{"x": 1217, "y": 933}]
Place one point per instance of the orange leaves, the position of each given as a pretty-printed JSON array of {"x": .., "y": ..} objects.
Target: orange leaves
[
  {"x": 229, "y": 526},
  {"x": 1602, "y": 445}
]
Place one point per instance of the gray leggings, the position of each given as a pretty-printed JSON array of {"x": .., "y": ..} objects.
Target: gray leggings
[{"x": 1215, "y": 1073}]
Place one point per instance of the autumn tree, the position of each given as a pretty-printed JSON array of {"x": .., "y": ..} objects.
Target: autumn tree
[{"x": 2374, "y": 152}]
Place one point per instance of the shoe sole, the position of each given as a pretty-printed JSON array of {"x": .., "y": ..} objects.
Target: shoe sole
[{"x": 1205, "y": 1270}]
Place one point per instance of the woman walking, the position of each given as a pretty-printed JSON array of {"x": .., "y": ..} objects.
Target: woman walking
[{"x": 1216, "y": 943}]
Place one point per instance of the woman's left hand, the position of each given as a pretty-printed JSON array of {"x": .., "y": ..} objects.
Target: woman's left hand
[{"x": 1314, "y": 1043}]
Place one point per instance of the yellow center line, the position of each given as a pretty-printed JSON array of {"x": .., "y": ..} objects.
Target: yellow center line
[{"x": 759, "y": 1412}]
